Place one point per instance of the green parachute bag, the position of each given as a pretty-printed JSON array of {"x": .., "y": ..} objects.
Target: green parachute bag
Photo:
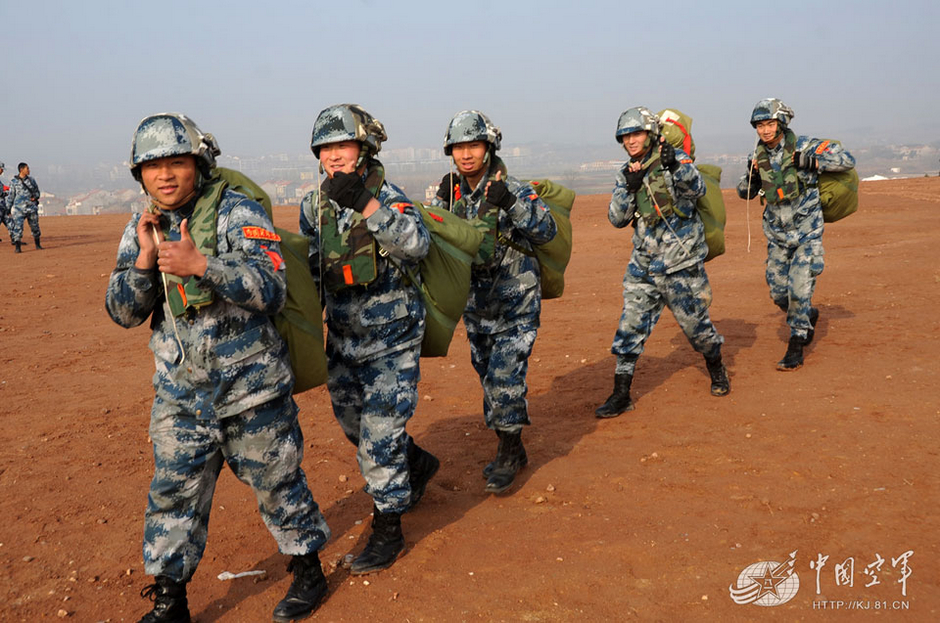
[
  {"x": 676, "y": 127},
  {"x": 445, "y": 275},
  {"x": 554, "y": 255},
  {"x": 300, "y": 322},
  {"x": 838, "y": 192},
  {"x": 711, "y": 209}
]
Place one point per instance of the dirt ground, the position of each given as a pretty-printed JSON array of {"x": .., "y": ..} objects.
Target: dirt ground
[{"x": 652, "y": 515}]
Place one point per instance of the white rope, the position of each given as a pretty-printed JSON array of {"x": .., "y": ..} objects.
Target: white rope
[
  {"x": 747, "y": 204},
  {"x": 663, "y": 216},
  {"x": 166, "y": 291}
]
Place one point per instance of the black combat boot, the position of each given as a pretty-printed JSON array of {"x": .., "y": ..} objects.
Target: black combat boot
[
  {"x": 793, "y": 359},
  {"x": 510, "y": 458},
  {"x": 18, "y": 245},
  {"x": 813, "y": 319},
  {"x": 306, "y": 591},
  {"x": 169, "y": 601},
  {"x": 422, "y": 465},
  {"x": 384, "y": 546},
  {"x": 38, "y": 246},
  {"x": 720, "y": 383},
  {"x": 619, "y": 401}
]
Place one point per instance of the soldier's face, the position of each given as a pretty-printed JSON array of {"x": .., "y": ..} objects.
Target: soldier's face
[
  {"x": 767, "y": 131},
  {"x": 170, "y": 181},
  {"x": 24, "y": 171},
  {"x": 635, "y": 143},
  {"x": 342, "y": 156},
  {"x": 469, "y": 158}
]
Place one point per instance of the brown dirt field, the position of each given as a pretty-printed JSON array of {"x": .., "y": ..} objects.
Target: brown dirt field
[{"x": 651, "y": 515}]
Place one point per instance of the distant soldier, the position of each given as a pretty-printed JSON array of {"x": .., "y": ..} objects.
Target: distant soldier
[
  {"x": 23, "y": 201},
  {"x": 785, "y": 170},
  {"x": 4, "y": 209},
  {"x": 366, "y": 238},
  {"x": 211, "y": 282},
  {"x": 657, "y": 191},
  {"x": 502, "y": 315}
]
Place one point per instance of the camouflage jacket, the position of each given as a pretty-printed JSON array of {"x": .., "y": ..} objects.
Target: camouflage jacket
[
  {"x": 663, "y": 245},
  {"x": 387, "y": 315},
  {"x": 3, "y": 199},
  {"x": 24, "y": 193},
  {"x": 235, "y": 359},
  {"x": 506, "y": 291},
  {"x": 791, "y": 223}
]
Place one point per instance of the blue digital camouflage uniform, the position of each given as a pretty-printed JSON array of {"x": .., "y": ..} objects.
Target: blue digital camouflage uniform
[
  {"x": 666, "y": 267},
  {"x": 794, "y": 232},
  {"x": 502, "y": 314},
  {"x": 4, "y": 208},
  {"x": 228, "y": 401},
  {"x": 23, "y": 202},
  {"x": 374, "y": 335}
]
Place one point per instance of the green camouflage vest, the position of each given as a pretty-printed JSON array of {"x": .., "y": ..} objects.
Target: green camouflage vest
[
  {"x": 783, "y": 185},
  {"x": 184, "y": 293},
  {"x": 488, "y": 215},
  {"x": 656, "y": 179},
  {"x": 349, "y": 257}
]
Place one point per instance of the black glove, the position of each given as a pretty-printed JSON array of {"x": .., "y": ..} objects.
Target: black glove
[
  {"x": 448, "y": 183},
  {"x": 634, "y": 179},
  {"x": 667, "y": 156},
  {"x": 348, "y": 190},
  {"x": 752, "y": 176},
  {"x": 498, "y": 194},
  {"x": 805, "y": 161}
]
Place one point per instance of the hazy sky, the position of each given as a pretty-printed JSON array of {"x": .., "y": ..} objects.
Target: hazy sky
[{"x": 78, "y": 76}]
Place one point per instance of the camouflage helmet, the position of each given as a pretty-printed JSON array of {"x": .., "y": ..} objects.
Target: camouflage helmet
[
  {"x": 771, "y": 108},
  {"x": 171, "y": 134},
  {"x": 636, "y": 119},
  {"x": 347, "y": 122},
  {"x": 468, "y": 126}
]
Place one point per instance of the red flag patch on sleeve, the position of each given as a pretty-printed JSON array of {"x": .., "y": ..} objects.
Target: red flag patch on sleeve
[
  {"x": 259, "y": 233},
  {"x": 401, "y": 206}
]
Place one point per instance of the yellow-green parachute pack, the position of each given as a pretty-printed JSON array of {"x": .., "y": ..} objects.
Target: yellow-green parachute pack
[
  {"x": 711, "y": 209},
  {"x": 676, "y": 127},
  {"x": 838, "y": 192},
  {"x": 445, "y": 275},
  {"x": 300, "y": 322},
  {"x": 554, "y": 255}
]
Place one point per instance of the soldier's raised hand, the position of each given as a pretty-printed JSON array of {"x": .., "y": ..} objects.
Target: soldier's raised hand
[
  {"x": 667, "y": 155},
  {"x": 499, "y": 194},
  {"x": 181, "y": 258}
]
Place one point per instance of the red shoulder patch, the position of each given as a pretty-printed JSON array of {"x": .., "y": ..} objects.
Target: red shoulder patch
[
  {"x": 824, "y": 146},
  {"x": 401, "y": 206},
  {"x": 259, "y": 233}
]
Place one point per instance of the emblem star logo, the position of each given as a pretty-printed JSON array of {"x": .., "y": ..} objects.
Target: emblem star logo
[{"x": 768, "y": 582}]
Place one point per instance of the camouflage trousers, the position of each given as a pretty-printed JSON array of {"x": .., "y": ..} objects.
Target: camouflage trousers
[
  {"x": 502, "y": 360},
  {"x": 791, "y": 275},
  {"x": 372, "y": 402},
  {"x": 15, "y": 223},
  {"x": 262, "y": 446},
  {"x": 686, "y": 293}
]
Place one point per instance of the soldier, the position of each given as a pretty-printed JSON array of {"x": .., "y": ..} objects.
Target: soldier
[
  {"x": 785, "y": 170},
  {"x": 223, "y": 379},
  {"x": 4, "y": 210},
  {"x": 657, "y": 191},
  {"x": 23, "y": 201},
  {"x": 502, "y": 314},
  {"x": 364, "y": 234}
]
